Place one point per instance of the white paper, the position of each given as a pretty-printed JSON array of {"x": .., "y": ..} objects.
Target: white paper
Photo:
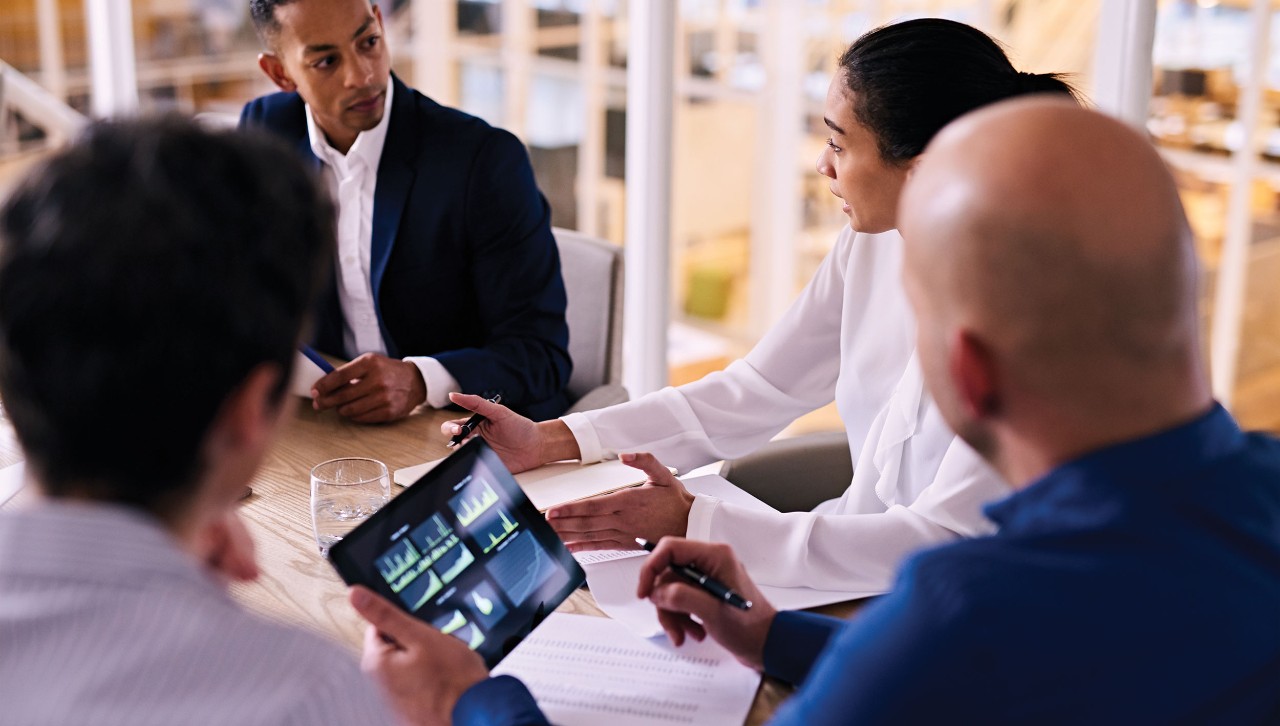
[
  {"x": 11, "y": 481},
  {"x": 585, "y": 670},
  {"x": 556, "y": 483},
  {"x": 613, "y": 585},
  {"x": 408, "y": 475},
  {"x": 305, "y": 375},
  {"x": 591, "y": 558},
  {"x": 613, "y": 581}
]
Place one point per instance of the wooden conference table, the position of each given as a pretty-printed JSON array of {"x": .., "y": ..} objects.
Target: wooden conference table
[{"x": 299, "y": 587}]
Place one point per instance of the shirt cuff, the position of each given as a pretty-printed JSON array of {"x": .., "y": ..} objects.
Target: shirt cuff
[
  {"x": 440, "y": 383},
  {"x": 498, "y": 700},
  {"x": 795, "y": 641},
  {"x": 700, "y": 517},
  {"x": 589, "y": 449}
]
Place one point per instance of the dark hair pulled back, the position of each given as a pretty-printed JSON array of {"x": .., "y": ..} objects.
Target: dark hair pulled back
[{"x": 910, "y": 79}]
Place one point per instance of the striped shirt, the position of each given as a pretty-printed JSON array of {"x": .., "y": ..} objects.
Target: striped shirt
[{"x": 104, "y": 620}]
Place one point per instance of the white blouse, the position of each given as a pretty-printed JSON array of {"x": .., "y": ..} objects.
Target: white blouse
[{"x": 849, "y": 337}]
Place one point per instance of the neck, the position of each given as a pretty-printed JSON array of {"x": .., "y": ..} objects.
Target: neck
[
  {"x": 341, "y": 144},
  {"x": 1028, "y": 449}
]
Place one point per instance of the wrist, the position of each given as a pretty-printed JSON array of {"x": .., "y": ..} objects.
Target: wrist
[
  {"x": 557, "y": 442},
  {"x": 417, "y": 384}
]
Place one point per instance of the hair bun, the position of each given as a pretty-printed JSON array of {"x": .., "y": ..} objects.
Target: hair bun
[{"x": 1026, "y": 82}]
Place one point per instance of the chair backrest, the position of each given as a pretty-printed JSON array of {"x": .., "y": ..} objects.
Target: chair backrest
[{"x": 592, "y": 271}]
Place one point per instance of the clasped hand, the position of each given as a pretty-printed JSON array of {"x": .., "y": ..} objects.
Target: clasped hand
[{"x": 371, "y": 389}]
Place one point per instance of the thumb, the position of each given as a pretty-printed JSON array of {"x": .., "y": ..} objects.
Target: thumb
[
  {"x": 649, "y": 464},
  {"x": 477, "y": 404},
  {"x": 381, "y": 614}
]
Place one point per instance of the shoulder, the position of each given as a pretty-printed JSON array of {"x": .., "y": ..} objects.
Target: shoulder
[
  {"x": 873, "y": 256},
  {"x": 303, "y": 676},
  {"x": 448, "y": 125},
  {"x": 966, "y": 583},
  {"x": 452, "y": 136},
  {"x": 283, "y": 113}
]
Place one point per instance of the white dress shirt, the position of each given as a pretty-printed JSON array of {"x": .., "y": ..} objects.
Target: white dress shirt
[
  {"x": 104, "y": 621},
  {"x": 352, "y": 179},
  {"x": 850, "y": 336}
]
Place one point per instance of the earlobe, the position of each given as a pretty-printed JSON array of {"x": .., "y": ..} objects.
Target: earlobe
[
  {"x": 274, "y": 69},
  {"x": 973, "y": 371}
]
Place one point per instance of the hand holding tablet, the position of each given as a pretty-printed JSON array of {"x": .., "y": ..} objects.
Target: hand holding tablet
[{"x": 464, "y": 550}]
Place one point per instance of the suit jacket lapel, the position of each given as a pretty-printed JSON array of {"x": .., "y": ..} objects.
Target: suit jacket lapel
[{"x": 396, "y": 172}]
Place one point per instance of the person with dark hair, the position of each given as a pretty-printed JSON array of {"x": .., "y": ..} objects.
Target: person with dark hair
[
  {"x": 447, "y": 277},
  {"x": 1135, "y": 577},
  {"x": 848, "y": 338},
  {"x": 154, "y": 282}
]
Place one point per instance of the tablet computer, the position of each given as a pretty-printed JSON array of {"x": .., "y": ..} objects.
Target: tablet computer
[{"x": 466, "y": 551}]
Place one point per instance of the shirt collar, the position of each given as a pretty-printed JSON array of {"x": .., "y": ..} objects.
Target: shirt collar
[
  {"x": 367, "y": 149},
  {"x": 1075, "y": 491}
]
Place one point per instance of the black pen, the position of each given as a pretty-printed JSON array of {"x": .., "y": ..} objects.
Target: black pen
[
  {"x": 703, "y": 580},
  {"x": 471, "y": 424}
]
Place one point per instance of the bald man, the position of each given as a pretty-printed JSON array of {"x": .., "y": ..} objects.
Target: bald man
[{"x": 1135, "y": 577}]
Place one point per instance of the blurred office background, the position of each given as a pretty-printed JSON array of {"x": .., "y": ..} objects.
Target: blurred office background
[{"x": 749, "y": 219}]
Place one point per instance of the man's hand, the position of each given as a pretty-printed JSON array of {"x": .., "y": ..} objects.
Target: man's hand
[
  {"x": 679, "y": 602},
  {"x": 422, "y": 671},
  {"x": 371, "y": 389},
  {"x": 656, "y": 509},
  {"x": 226, "y": 548},
  {"x": 518, "y": 441}
]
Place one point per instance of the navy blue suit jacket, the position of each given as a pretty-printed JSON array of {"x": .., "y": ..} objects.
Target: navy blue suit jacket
[{"x": 463, "y": 264}]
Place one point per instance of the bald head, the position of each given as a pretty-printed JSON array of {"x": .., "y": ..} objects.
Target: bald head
[{"x": 1052, "y": 239}]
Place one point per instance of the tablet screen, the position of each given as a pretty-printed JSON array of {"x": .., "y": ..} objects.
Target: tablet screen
[{"x": 465, "y": 550}]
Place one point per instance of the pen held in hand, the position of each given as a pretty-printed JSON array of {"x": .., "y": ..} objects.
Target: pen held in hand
[
  {"x": 703, "y": 580},
  {"x": 316, "y": 358},
  {"x": 470, "y": 425}
]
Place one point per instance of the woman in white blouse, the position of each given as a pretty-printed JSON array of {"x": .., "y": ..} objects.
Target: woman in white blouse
[{"x": 849, "y": 337}]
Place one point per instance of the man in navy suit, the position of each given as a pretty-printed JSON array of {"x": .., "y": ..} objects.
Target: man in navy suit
[{"x": 447, "y": 277}]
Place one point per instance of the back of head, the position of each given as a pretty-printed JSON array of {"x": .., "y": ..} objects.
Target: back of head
[
  {"x": 912, "y": 78},
  {"x": 1055, "y": 236},
  {"x": 144, "y": 272}
]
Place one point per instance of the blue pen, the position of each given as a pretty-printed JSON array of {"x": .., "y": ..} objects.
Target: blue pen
[{"x": 316, "y": 358}]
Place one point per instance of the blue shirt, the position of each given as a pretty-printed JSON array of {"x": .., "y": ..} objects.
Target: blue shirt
[{"x": 1138, "y": 584}]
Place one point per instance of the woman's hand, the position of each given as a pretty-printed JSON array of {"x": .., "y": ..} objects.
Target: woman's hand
[
  {"x": 518, "y": 441},
  {"x": 656, "y": 509}
]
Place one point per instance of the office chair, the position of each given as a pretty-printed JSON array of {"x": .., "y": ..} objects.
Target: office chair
[
  {"x": 592, "y": 272},
  {"x": 795, "y": 474}
]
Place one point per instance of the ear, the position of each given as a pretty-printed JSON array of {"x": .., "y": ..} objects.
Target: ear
[
  {"x": 271, "y": 65},
  {"x": 248, "y": 415},
  {"x": 974, "y": 375}
]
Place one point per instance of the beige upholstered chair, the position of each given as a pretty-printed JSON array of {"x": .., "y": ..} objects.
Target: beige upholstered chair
[
  {"x": 593, "y": 280},
  {"x": 796, "y": 474}
]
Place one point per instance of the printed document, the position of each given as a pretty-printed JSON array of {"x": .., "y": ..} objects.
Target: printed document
[
  {"x": 613, "y": 579},
  {"x": 586, "y": 670}
]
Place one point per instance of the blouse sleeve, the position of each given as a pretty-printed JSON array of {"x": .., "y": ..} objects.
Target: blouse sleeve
[{"x": 730, "y": 413}]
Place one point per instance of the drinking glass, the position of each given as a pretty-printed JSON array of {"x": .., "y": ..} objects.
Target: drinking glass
[{"x": 343, "y": 493}]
